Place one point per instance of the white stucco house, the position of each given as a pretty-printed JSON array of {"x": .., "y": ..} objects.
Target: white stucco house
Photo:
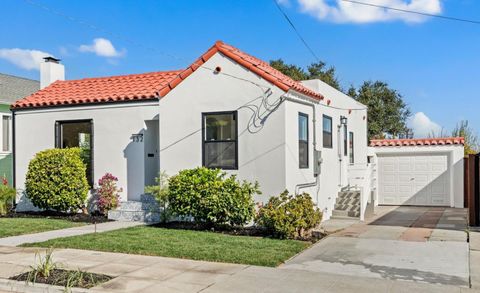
[{"x": 227, "y": 110}]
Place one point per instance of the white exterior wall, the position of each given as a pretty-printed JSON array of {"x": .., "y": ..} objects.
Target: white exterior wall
[
  {"x": 261, "y": 142},
  {"x": 113, "y": 149},
  {"x": 334, "y": 168},
  {"x": 455, "y": 165}
]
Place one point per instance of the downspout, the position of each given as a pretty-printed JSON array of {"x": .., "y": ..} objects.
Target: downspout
[
  {"x": 314, "y": 122},
  {"x": 14, "y": 176}
]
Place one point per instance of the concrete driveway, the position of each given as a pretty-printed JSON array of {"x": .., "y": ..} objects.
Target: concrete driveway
[{"x": 419, "y": 244}]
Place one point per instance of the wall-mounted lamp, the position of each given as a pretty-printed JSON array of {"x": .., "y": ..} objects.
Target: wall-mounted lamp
[
  {"x": 137, "y": 137},
  {"x": 343, "y": 120}
]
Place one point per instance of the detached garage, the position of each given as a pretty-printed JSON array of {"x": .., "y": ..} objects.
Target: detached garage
[{"x": 419, "y": 172}]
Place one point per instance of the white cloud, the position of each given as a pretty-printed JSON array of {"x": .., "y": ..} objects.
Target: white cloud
[
  {"x": 423, "y": 126},
  {"x": 24, "y": 58},
  {"x": 102, "y": 47},
  {"x": 344, "y": 11}
]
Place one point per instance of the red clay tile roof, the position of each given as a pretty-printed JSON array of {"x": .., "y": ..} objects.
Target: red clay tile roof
[
  {"x": 253, "y": 64},
  {"x": 102, "y": 89},
  {"x": 152, "y": 85},
  {"x": 417, "y": 142}
]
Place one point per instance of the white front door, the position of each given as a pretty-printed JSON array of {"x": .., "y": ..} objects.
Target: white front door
[{"x": 414, "y": 180}]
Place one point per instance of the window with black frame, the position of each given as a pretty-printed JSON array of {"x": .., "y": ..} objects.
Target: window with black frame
[
  {"x": 351, "y": 147},
  {"x": 77, "y": 133},
  {"x": 303, "y": 140},
  {"x": 345, "y": 142},
  {"x": 220, "y": 149},
  {"x": 327, "y": 132}
]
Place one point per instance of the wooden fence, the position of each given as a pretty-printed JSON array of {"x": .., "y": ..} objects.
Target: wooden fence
[{"x": 472, "y": 188}]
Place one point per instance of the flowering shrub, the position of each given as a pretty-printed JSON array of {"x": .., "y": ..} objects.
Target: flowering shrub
[
  {"x": 108, "y": 193},
  {"x": 7, "y": 195}
]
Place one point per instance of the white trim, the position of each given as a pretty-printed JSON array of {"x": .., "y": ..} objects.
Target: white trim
[{"x": 76, "y": 107}]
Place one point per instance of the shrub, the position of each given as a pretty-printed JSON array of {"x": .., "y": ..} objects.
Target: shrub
[
  {"x": 288, "y": 216},
  {"x": 56, "y": 180},
  {"x": 211, "y": 197},
  {"x": 108, "y": 193},
  {"x": 160, "y": 192},
  {"x": 7, "y": 195}
]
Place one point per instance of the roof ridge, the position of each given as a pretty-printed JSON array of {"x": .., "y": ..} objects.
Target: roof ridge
[{"x": 122, "y": 75}]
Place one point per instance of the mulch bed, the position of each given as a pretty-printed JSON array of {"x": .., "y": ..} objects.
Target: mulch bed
[
  {"x": 225, "y": 229},
  {"x": 77, "y": 217},
  {"x": 60, "y": 277}
]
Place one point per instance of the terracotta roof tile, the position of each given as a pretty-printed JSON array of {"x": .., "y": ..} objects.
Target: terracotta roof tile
[
  {"x": 253, "y": 64},
  {"x": 417, "y": 142},
  {"x": 152, "y": 85},
  {"x": 143, "y": 86}
]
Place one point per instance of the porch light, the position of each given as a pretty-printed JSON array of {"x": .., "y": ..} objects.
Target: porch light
[
  {"x": 343, "y": 120},
  {"x": 137, "y": 137}
]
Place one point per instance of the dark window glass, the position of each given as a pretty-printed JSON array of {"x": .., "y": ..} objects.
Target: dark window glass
[
  {"x": 220, "y": 140},
  {"x": 345, "y": 145},
  {"x": 77, "y": 134},
  {"x": 327, "y": 131},
  {"x": 303, "y": 140},
  {"x": 352, "y": 157}
]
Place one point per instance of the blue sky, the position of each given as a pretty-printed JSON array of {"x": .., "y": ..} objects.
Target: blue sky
[{"x": 433, "y": 63}]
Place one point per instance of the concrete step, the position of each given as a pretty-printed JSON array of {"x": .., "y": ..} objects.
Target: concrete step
[
  {"x": 134, "y": 216},
  {"x": 138, "y": 206},
  {"x": 344, "y": 218},
  {"x": 347, "y": 207},
  {"x": 349, "y": 194},
  {"x": 347, "y": 201},
  {"x": 340, "y": 213}
]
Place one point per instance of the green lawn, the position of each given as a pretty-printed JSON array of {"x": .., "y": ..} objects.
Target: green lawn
[
  {"x": 19, "y": 226},
  {"x": 189, "y": 244}
]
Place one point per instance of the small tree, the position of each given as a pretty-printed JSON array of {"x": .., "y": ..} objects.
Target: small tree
[
  {"x": 472, "y": 144},
  {"x": 387, "y": 111},
  {"x": 56, "y": 180},
  {"x": 108, "y": 193},
  {"x": 7, "y": 195}
]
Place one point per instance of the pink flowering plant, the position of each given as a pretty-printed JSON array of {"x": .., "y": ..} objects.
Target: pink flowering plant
[{"x": 108, "y": 193}]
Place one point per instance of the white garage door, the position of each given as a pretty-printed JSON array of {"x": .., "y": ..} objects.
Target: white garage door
[{"x": 414, "y": 180}]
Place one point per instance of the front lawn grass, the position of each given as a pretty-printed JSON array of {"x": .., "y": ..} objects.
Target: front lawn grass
[
  {"x": 198, "y": 245},
  {"x": 19, "y": 226}
]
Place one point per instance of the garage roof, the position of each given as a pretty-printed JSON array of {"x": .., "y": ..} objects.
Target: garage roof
[{"x": 417, "y": 142}]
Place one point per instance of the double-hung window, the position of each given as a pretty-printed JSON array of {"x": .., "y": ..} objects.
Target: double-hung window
[
  {"x": 220, "y": 140},
  {"x": 327, "y": 132},
  {"x": 77, "y": 133},
  {"x": 303, "y": 140}
]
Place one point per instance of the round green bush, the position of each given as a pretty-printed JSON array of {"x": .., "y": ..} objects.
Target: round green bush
[
  {"x": 210, "y": 197},
  {"x": 288, "y": 216},
  {"x": 56, "y": 180}
]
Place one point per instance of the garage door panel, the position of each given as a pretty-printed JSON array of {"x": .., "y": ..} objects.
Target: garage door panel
[{"x": 414, "y": 180}]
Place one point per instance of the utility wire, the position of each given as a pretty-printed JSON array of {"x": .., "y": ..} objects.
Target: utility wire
[
  {"x": 296, "y": 31},
  {"x": 413, "y": 12},
  {"x": 154, "y": 49}
]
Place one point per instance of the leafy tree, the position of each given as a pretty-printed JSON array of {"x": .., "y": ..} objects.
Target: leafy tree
[
  {"x": 387, "y": 112},
  {"x": 472, "y": 144},
  {"x": 316, "y": 70}
]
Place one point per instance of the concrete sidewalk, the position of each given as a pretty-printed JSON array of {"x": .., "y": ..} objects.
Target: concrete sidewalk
[
  {"x": 44, "y": 236},
  {"x": 136, "y": 273}
]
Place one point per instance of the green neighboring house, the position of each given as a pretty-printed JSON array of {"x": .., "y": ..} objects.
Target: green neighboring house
[{"x": 12, "y": 88}]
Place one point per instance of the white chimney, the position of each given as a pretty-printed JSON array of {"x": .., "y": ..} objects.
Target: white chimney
[{"x": 51, "y": 70}]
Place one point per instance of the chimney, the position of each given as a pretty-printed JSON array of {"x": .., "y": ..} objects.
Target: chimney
[{"x": 51, "y": 70}]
